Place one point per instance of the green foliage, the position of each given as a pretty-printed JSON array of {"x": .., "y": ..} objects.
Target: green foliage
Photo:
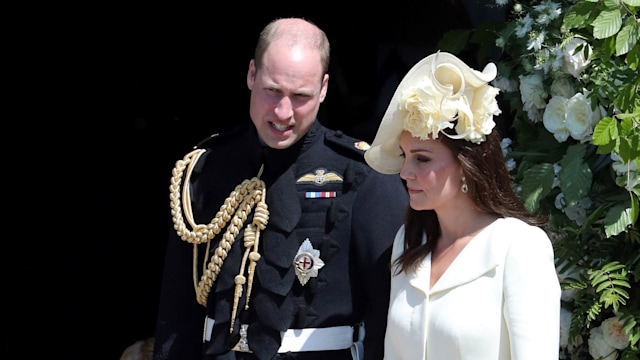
[
  {"x": 608, "y": 281},
  {"x": 589, "y": 185}
]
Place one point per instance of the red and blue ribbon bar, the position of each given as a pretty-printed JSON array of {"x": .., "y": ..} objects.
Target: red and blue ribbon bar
[{"x": 320, "y": 194}]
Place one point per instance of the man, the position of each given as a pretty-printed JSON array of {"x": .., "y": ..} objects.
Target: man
[{"x": 281, "y": 227}]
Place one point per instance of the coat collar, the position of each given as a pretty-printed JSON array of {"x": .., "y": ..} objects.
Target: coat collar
[
  {"x": 477, "y": 258},
  {"x": 285, "y": 210}
]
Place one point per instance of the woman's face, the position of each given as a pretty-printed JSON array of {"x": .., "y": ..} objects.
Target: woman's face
[{"x": 433, "y": 175}]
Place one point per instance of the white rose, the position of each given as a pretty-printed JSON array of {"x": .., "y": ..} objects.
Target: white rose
[
  {"x": 504, "y": 84},
  {"x": 621, "y": 168},
  {"x": 554, "y": 118},
  {"x": 556, "y": 58},
  {"x": 559, "y": 201},
  {"x": 561, "y": 86},
  {"x": 614, "y": 334},
  {"x": 578, "y": 117},
  {"x": 532, "y": 90},
  {"x": 567, "y": 295},
  {"x": 484, "y": 107},
  {"x": 575, "y": 62},
  {"x": 565, "y": 324},
  {"x": 505, "y": 144},
  {"x": 599, "y": 113},
  {"x": 576, "y": 213},
  {"x": 598, "y": 347},
  {"x": 442, "y": 97},
  {"x": 423, "y": 116},
  {"x": 534, "y": 114}
]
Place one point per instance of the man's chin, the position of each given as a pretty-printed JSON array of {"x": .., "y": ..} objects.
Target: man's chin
[{"x": 280, "y": 143}]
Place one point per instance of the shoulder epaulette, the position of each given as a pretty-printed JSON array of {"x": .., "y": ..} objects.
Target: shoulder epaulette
[
  {"x": 346, "y": 142},
  {"x": 216, "y": 138}
]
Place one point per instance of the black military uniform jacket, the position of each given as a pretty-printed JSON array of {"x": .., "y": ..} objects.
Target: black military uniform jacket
[{"x": 319, "y": 189}]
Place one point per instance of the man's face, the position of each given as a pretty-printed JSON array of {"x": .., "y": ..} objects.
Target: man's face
[{"x": 286, "y": 93}]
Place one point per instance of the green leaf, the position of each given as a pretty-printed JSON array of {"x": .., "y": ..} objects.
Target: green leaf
[
  {"x": 612, "y": 266},
  {"x": 575, "y": 175},
  {"x": 620, "y": 291},
  {"x": 633, "y": 57},
  {"x": 577, "y": 16},
  {"x": 603, "y": 286},
  {"x": 454, "y": 41},
  {"x": 632, "y": 2},
  {"x": 599, "y": 278},
  {"x": 607, "y": 24},
  {"x": 634, "y": 209},
  {"x": 621, "y": 283},
  {"x": 484, "y": 37},
  {"x": 626, "y": 124},
  {"x": 624, "y": 150},
  {"x": 605, "y": 131},
  {"x": 626, "y": 96},
  {"x": 626, "y": 38},
  {"x": 612, "y": 4},
  {"x": 617, "y": 220},
  {"x": 536, "y": 184}
]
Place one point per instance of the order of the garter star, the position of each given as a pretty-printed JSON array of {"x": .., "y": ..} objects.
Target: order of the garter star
[{"x": 307, "y": 262}]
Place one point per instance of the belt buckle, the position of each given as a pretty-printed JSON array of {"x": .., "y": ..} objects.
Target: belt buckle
[{"x": 243, "y": 344}]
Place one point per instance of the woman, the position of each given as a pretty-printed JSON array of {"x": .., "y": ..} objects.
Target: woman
[{"x": 473, "y": 274}]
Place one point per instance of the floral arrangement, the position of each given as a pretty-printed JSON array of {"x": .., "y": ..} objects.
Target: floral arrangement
[
  {"x": 568, "y": 75},
  {"x": 443, "y": 97}
]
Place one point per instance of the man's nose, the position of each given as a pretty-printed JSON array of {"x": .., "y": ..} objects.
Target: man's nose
[{"x": 284, "y": 109}]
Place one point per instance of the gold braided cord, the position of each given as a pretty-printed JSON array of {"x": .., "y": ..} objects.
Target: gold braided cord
[
  {"x": 235, "y": 210},
  {"x": 251, "y": 238},
  {"x": 215, "y": 263}
]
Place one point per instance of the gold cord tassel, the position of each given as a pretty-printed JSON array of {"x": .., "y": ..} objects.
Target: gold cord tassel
[{"x": 234, "y": 211}]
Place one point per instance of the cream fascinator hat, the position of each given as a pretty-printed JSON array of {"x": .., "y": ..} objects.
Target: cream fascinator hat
[{"x": 440, "y": 92}]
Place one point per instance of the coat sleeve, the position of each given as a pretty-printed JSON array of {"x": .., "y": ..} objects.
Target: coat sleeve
[
  {"x": 532, "y": 296},
  {"x": 378, "y": 214},
  {"x": 180, "y": 319}
]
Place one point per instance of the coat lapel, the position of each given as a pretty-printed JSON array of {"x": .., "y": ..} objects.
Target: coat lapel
[
  {"x": 420, "y": 278},
  {"x": 481, "y": 255}
]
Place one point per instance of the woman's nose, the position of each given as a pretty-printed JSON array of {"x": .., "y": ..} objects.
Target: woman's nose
[{"x": 405, "y": 171}]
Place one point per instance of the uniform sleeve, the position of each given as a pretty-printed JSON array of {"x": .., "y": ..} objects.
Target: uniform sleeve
[
  {"x": 180, "y": 318},
  {"x": 532, "y": 296},
  {"x": 377, "y": 215}
]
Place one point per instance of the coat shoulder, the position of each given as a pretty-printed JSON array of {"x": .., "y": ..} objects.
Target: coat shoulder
[
  {"x": 220, "y": 138},
  {"x": 348, "y": 145}
]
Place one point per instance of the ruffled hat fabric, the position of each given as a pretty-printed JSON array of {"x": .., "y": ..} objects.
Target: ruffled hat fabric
[{"x": 453, "y": 91}]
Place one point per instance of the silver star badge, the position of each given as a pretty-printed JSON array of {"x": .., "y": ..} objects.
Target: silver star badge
[{"x": 307, "y": 262}]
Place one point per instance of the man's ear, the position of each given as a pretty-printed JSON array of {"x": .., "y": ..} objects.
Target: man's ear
[
  {"x": 325, "y": 87},
  {"x": 251, "y": 74}
]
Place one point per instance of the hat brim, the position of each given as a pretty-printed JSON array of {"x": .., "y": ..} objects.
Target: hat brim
[{"x": 385, "y": 155}]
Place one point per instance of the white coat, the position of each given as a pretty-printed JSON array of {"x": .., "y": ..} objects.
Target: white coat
[{"x": 499, "y": 299}]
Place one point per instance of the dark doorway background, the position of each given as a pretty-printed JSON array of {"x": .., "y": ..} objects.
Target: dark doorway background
[{"x": 148, "y": 84}]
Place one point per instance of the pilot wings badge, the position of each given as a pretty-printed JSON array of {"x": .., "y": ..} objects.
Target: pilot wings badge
[
  {"x": 321, "y": 177},
  {"x": 307, "y": 262}
]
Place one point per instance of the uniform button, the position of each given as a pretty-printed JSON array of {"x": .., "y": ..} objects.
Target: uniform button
[{"x": 338, "y": 133}]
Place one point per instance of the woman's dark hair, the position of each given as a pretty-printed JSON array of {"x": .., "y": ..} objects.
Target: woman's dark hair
[{"x": 490, "y": 188}]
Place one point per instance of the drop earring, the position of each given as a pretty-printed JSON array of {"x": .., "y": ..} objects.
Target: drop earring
[{"x": 464, "y": 186}]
